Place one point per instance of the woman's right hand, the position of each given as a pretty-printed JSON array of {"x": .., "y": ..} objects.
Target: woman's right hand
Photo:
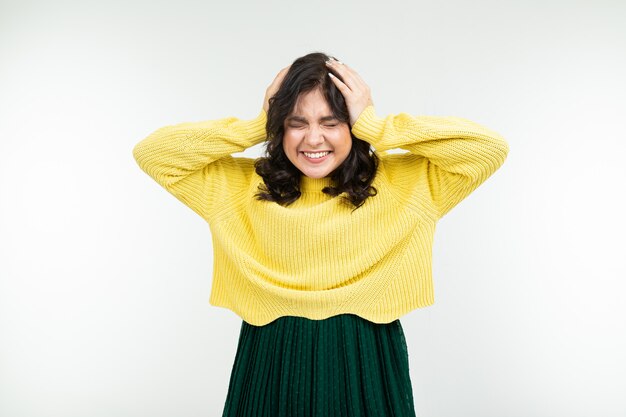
[{"x": 273, "y": 88}]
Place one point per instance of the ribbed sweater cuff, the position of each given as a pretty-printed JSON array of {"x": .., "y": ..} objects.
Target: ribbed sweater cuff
[
  {"x": 254, "y": 129},
  {"x": 369, "y": 127}
]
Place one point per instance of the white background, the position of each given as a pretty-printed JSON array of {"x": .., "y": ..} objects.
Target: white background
[{"x": 105, "y": 277}]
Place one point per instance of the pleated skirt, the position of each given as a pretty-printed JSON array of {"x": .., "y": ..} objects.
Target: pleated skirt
[{"x": 342, "y": 366}]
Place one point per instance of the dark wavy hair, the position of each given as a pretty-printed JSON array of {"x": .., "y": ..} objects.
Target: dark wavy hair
[{"x": 281, "y": 178}]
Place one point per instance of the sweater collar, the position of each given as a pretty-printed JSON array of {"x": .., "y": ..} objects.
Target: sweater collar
[{"x": 308, "y": 184}]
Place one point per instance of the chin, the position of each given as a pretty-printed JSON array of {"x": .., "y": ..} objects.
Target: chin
[
  {"x": 312, "y": 171},
  {"x": 316, "y": 176}
]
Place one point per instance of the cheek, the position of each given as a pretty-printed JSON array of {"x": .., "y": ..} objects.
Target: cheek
[
  {"x": 344, "y": 141},
  {"x": 289, "y": 142}
]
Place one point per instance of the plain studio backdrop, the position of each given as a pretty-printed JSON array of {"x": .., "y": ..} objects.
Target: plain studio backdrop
[{"x": 105, "y": 277}]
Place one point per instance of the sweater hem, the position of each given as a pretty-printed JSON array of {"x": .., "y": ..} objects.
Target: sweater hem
[{"x": 379, "y": 318}]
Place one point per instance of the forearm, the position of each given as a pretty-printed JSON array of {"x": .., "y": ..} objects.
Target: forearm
[
  {"x": 173, "y": 152},
  {"x": 454, "y": 144}
]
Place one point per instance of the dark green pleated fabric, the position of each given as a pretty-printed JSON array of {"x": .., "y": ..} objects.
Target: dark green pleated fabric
[{"x": 342, "y": 366}]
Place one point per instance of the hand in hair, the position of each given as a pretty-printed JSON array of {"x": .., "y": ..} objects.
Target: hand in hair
[
  {"x": 356, "y": 93},
  {"x": 273, "y": 88}
]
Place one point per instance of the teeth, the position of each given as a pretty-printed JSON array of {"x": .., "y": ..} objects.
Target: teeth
[{"x": 316, "y": 155}]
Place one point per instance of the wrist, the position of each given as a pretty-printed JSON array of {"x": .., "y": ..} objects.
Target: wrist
[{"x": 369, "y": 127}]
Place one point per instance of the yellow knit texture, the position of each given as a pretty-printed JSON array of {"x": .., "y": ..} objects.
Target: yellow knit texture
[{"x": 317, "y": 258}]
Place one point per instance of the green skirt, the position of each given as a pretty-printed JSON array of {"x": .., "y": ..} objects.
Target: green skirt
[{"x": 340, "y": 366}]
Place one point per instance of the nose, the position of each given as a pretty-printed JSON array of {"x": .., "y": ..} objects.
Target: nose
[{"x": 314, "y": 137}]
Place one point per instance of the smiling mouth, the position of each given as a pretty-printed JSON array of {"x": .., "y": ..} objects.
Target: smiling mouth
[{"x": 316, "y": 155}]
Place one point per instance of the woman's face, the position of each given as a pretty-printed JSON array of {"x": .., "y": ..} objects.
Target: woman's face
[{"x": 314, "y": 141}]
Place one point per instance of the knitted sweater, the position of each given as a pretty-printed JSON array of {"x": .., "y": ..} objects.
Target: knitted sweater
[{"x": 316, "y": 257}]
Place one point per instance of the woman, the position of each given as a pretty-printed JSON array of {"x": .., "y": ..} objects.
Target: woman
[{"x": 323, "y": 244}]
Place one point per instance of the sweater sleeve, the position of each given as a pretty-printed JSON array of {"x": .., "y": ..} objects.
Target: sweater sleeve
[
  {"x": 449, "y": 157},
  {"x": 193, "y": 161}
]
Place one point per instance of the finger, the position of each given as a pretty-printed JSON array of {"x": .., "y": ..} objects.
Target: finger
[
  {"x": 278, "y": 80},
  {"x": 355, "y": 75},
  {"x": 358, "y": 84},
  {"x": 341, "y": 71},
  {"x": 341, "y": 86},
  {"x": 349, "y": 76},
  {"x": 283, "y": 72}
]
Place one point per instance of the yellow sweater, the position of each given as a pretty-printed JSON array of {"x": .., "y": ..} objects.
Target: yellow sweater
[{"x": 316, "y": 258}]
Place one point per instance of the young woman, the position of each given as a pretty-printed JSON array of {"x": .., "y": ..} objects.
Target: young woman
[{"x": 321, "y": 245}]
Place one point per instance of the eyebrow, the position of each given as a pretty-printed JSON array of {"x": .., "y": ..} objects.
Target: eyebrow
[{"x": 304, "y": 120}]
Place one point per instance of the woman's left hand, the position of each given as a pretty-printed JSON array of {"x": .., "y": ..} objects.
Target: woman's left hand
[{"x": 354, "y": 90}]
